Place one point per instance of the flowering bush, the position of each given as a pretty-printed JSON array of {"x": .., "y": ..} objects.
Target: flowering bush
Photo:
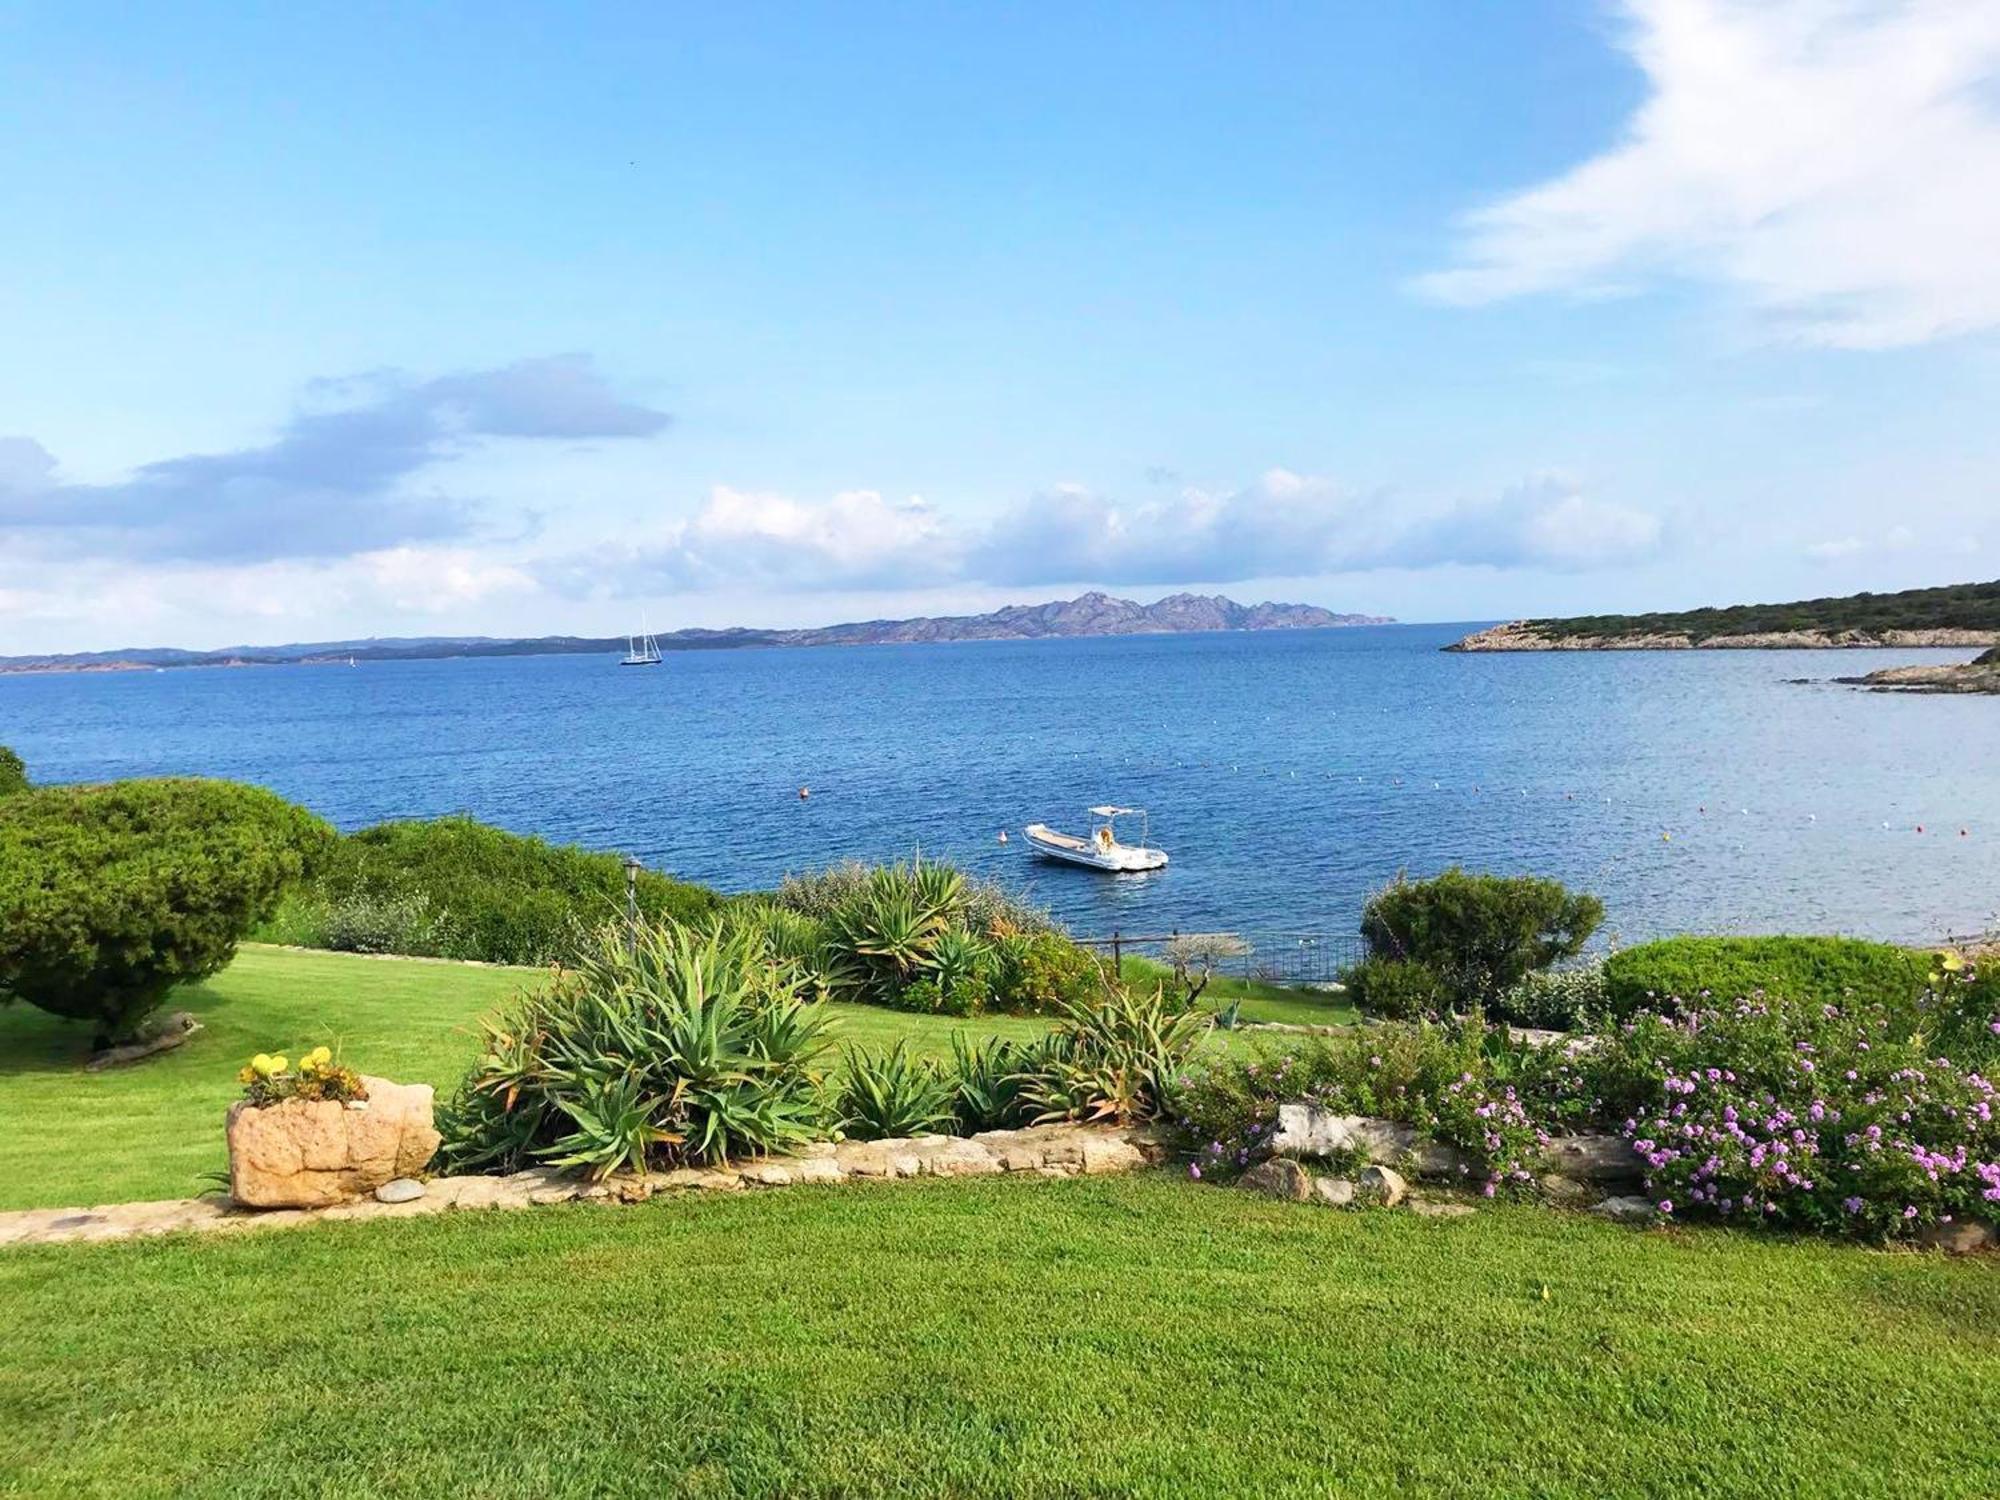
[
  {"x": 268, "y": 1078},
  {"x": 1870, "y": 1115},
  {"x": 1847, "y": 1118},
  {"x": 1555, "y": 999},
  {"x": 1452, "y": 1083}
]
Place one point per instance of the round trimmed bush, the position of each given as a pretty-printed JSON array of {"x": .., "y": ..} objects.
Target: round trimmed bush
[
  {"x": 1481, "y": 934},
  {"x": 112, "y": 895}
]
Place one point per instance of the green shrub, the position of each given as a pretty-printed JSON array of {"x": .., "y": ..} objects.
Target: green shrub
[
  {"x": 1044, "y": 973},
  {"x": 1691, "y": 969},
  {"x": 111, "y": 895},
  {"x": 461, "y": 889},
  {"x": 890, "y": 1094},
  {"x": 1553, "y": 999},
  {"x": 1839, "y": 1114},
  {"x": 1399, "y": 989},
  {"x": 1480, "y": 933},
  {"x": 684, "y": 1047},
  {"x": 13, "y": 773}
]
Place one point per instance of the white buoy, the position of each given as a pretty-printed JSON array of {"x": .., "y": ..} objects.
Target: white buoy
[{"x": 805, "y": 792}]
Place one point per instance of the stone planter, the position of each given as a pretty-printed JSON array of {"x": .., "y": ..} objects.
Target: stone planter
[{"x": 309, "y": 1154}]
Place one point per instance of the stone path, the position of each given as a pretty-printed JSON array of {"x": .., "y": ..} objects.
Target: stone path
[{"x": 1043, "y": 1150}]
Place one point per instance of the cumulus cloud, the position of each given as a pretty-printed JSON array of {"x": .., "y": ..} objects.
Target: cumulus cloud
[
  {"x": 738, "y": 538},
  {"x": 1282, "y": 525},
  {"x": 1833, "y": 161},
  {"x": 334, "y": 482}
]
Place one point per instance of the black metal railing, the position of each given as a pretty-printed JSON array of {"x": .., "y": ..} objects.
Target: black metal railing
[{"x": 1295, "y": 958}]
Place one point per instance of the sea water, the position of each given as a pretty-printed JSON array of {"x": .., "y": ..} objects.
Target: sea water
[{"x": 1288, "y": 773}]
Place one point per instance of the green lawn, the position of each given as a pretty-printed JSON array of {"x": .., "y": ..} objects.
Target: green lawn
[
  {"x": 154, "y": 1129},
  {"x": 1260, "y": 1001},
  {"x": 1123, "y": 1336}
]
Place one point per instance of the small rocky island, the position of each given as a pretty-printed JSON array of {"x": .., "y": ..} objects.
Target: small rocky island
[
  {"x": 1958, "y": 615},
  {"x": 1980, "y": 675}
]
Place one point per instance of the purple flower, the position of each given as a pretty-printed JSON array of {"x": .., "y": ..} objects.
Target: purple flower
[
  {"x": 1194, "y": 1170},
  {"x": 1666, "y": 1205},
  {"x": 1852, "y": 1205}
]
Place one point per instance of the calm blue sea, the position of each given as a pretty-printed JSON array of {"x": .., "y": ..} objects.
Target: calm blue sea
[{"x": 1287, "y": 773}]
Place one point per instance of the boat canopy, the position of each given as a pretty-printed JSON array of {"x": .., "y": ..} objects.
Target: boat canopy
[{"x": 1114, "y": 812}]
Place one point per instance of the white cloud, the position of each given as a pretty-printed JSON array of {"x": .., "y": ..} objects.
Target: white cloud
[
  {"x": 1833, "y": 161},
  {"x": 1838, "y": 549},
  {"x": 1283, "y": 524},
  {"x": 855, "y": 540}
]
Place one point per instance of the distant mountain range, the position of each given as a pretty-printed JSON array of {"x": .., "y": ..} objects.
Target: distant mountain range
[{"x": 1091, "y": 614}]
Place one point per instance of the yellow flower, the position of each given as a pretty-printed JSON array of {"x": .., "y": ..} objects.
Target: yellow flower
[
  {"x": 245, "y": 1073},
  {"x": 280, "y": 1063},
  {"x": 321, "y": 1056},
  {"x": 265, "y": 1064},
  {"x": 1953, "y": 964}
]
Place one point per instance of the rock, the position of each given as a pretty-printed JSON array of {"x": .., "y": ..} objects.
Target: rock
[
  {"x": 1280, "y": 1177},
  {"x": 1564, "y": 1190},
  {"x": 1428, "y": 1210},
  {"x": 399, "y": 1190},
  {"x": 1384, "y": 1185},
  {"x": 1305, "y": 1130},
  {"x": 1628, "y": 1210},
  {"x": 313, "y": 1153},
  {"x": 1334, "y": 1192},
  {"x": 1605, "y": 1159},
  {"x": 1960, "y": 1238},
  {"x": 162, "y": 1035}
]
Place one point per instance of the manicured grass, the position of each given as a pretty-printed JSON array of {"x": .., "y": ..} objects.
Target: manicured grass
[
  {"x": 1260, "y": 1001},
  {"x": 154, "y": 1129},
  {"x": 1134, "y": 1336}
]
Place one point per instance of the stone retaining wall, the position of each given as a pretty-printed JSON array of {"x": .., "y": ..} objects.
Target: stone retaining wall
[{"x": 1043, "y": 1150}]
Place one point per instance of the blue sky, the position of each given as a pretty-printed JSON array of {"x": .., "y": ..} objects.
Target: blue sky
[{"x": 329, "y": 321}]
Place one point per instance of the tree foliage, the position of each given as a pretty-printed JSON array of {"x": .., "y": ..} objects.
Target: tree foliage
[
  {"x": 111, "y": 895},
  {"x": 13, "y": 773},
  {"x": 1480, "y": 934}
]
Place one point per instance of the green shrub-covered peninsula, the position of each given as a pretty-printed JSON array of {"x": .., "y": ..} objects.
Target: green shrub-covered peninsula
[{"x": 1962, "y": 614}]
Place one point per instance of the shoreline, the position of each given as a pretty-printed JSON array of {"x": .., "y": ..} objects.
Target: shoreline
[{"x": 1524, "y": 635}]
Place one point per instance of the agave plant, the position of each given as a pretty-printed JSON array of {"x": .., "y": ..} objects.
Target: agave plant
[
  {"x": 883, "y": 940},
  {"x": 1122, "y": 1057},
  {"x": 892, "y": 1093},
  {"x": 671, "y": 1045},
  {"x": 991, "y": 1079},
  {"x": 957, "y": 957}
]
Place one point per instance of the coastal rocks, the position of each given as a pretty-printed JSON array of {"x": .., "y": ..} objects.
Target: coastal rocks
[
  {"x": 1628, "y": 1210},
  {"x": 1038, "y": 1151},
  {"x": 1307, "y": 1131},
  {"x": 1280, "y": 1177},
  {"x": 1980, "y": 675},
  {"x": 314, "y": 1153},
  {"x": 399, "y": 1190},
  {"x": 1531, "y": 635}
]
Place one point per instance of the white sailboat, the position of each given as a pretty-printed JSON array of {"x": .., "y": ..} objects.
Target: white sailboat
[
  {"x": 1102, "y": 850},
  {"x": 641, "y": 650}
]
